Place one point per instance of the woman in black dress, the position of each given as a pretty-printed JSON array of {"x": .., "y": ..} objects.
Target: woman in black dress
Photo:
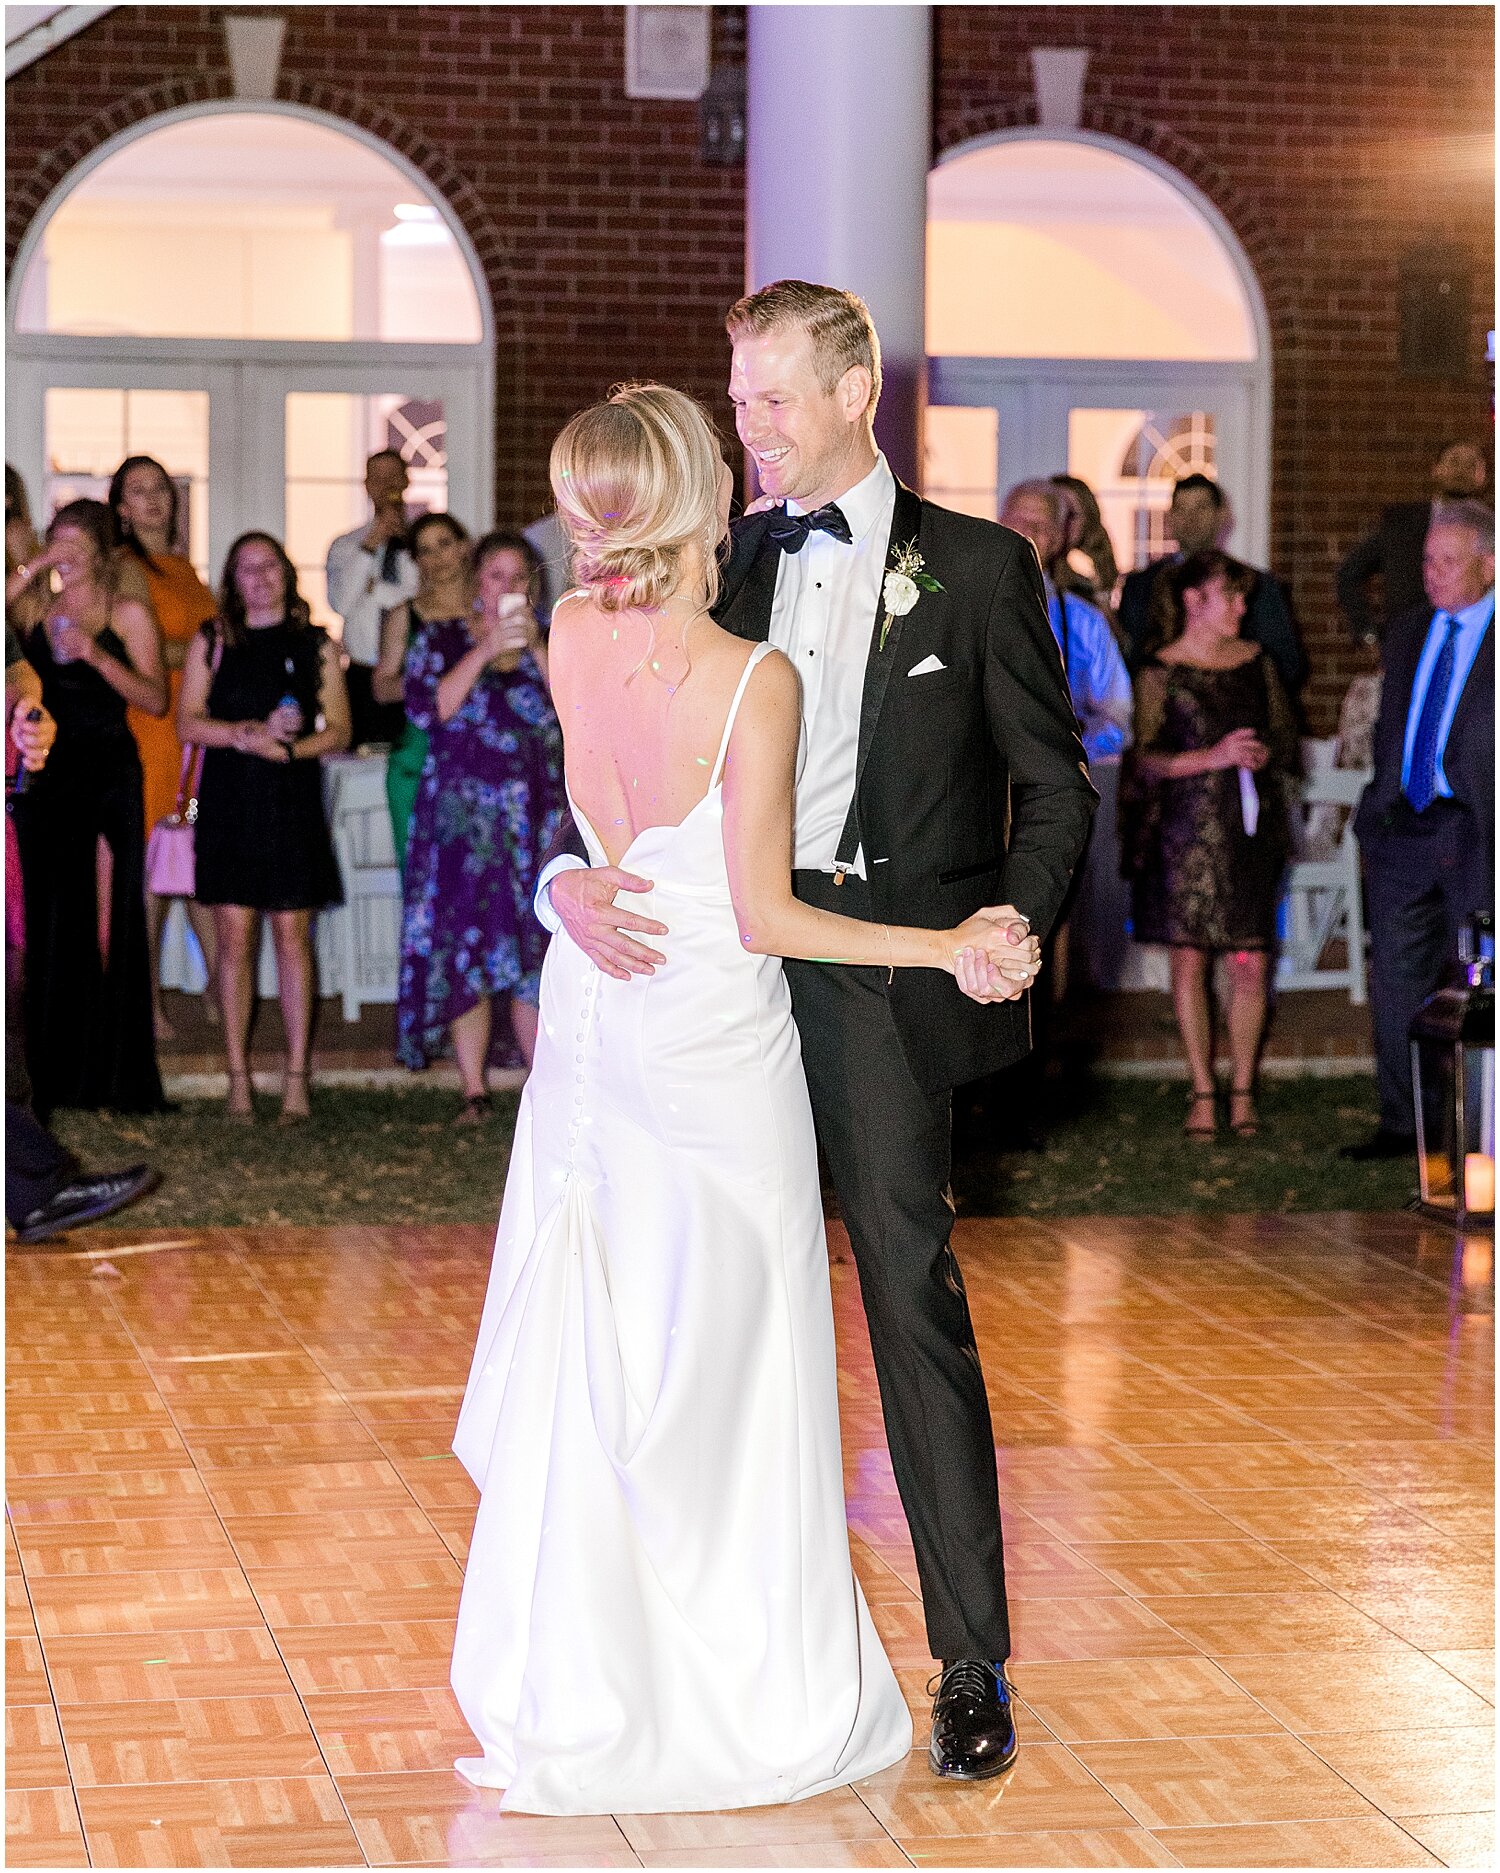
[
  {"x": 1205, "y": 812},
  {"x": 263, "y": 694},
  {"x": 82, "y": 828}
]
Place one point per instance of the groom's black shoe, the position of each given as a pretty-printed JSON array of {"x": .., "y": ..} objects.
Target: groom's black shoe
[{"x": 973, "y": 1723}]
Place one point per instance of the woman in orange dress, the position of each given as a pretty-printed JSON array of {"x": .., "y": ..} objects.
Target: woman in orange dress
[{"x": 143, "y": 499}]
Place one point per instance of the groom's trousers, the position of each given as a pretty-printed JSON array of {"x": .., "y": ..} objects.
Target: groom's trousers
[{"x": 888, "y": 1142}]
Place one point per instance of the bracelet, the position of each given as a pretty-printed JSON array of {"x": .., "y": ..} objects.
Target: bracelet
[{"x": 890, "y": 956}]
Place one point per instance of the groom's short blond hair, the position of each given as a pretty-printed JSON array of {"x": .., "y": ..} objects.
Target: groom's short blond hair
[{"x": 838, "y": 323}]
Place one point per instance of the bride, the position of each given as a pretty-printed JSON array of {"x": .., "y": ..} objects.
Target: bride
[{"x": 659, "y": 1611}]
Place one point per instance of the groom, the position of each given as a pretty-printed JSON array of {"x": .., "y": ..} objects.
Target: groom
[{"x": 942, "y": 773}]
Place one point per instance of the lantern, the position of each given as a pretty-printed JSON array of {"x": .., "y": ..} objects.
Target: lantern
[{"x": 1453, "y": 1078}]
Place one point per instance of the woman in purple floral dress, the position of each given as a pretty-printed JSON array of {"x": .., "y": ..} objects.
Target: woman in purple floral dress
[{"x": 489, "y": 805}]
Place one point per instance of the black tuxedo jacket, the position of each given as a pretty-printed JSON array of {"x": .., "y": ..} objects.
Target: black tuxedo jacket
[
  {"x": 1468, "y": 759},
  {"x": 971, "y": 786},
  {"x": 1394, "y": 550}
]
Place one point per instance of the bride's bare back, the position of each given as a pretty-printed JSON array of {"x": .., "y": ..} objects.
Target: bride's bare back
[{"x": 639, "y": 752}]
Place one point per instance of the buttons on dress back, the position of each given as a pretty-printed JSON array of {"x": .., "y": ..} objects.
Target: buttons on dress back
[{"x": 580, "y": 1078}]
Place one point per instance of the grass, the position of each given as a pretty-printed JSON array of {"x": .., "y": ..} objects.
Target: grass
[
  {"x": 1116, "y": 1148},
  {"x": 392, "y": 1158},
  {"x": 386, "y": 1158}
]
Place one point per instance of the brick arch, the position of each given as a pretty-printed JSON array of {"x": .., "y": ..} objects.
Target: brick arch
[
  {"x": 27, "y": 194},
  {"x": 1290, "y": 417},
  {"x": 489, "y": 244},
  {"x": 1189, "y": 161}
]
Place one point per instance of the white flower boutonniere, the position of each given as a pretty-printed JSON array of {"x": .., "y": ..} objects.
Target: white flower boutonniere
[{"x": 905, "y": 582}]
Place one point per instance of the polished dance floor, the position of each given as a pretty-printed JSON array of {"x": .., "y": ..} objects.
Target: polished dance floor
[{"x": 1247, "y": 1478}]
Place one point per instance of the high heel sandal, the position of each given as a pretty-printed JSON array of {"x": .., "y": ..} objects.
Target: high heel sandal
[
  {"x": 235, "y": 1112},
  {"x": 1247, "y": 1127},
  {"x": 474, "y": 1110},
  {"x": 290, "y": 1115},
  {"x": 1195, "y": 1100}
]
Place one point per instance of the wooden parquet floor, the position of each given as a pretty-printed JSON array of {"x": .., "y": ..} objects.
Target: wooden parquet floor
[{"x": 1246, "y": 1468}]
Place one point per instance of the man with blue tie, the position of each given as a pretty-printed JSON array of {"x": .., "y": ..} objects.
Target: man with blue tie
[{"x": 1426, "y": 822}]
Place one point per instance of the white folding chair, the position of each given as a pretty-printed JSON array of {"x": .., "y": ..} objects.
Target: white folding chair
[
  {"x": 1324, "y": 901},
  {"x": 369, "y": 922}
]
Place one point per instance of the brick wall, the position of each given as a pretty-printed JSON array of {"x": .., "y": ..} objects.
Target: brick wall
[
  {"x": 609, "y": 248},
  {"x": 1331, "y": 138}
]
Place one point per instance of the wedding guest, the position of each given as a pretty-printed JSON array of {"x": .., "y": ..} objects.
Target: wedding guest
[
  {"x": 143, "y": 500},
  {"x": 1205, "y": 827},
  {"x": 263, "y": 694},
  {"x": 21, "y": 546},
  {"x": 82, "y": 830},
  {"x": 369, "y": 571},
  {"x": 1393, "y": 550},
  {"x": 47, "y": 1191},
  {"x": 1426, "y": 822},
  {"x": 489, "y": 807},
  {"x": 1197, "y": 517},
  {"x": 440, "y": 548},
  {"x": 1100, "y": 688},
  {"x": 1087, "y": 564},
  {"x": 1097, "y": 679}
]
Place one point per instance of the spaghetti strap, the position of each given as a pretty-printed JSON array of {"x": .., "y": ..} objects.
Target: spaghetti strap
[{"x": 734, "y": 709}]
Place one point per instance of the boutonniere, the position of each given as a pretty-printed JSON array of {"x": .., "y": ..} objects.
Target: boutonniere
[{"x": 905, "y": 582}]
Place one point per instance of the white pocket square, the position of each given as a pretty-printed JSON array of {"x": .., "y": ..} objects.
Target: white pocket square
[{"x": 927, "y": 667}]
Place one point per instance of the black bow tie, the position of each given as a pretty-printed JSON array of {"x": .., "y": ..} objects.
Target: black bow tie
[{"x": 790, "y": 531}]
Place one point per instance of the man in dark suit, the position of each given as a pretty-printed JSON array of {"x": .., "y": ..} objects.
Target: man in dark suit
[
  {"x": 1426, "y": 822},
  {"x": 1196, "y": 518},
  {"x": 1394, "y": 549},
  {"x": 942, "y": 774}
]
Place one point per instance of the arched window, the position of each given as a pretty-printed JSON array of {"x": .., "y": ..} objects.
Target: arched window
[
  {"x": 1089, "y": 310},
  {"x": 260, "y": 297}
]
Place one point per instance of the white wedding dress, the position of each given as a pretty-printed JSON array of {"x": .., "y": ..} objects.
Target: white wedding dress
[{"x": 659, "y": 1611}]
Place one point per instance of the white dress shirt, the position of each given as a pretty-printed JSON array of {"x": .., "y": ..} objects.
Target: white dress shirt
[
  {"x": 360, "y": 595},
  {"x": 822, "y": 617}
]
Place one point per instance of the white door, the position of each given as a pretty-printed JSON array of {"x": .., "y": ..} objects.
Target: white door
[
  {"x": 261, "y": 435},
  {"x": 1127, "y": 428},
  {"x": 70, "y": 421}
]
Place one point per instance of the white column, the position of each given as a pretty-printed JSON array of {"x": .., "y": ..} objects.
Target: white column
[{"x": 838, "y": 143}]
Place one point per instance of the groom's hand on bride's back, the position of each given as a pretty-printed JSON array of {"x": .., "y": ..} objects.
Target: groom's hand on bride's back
[{"x": 584, "y": 900}]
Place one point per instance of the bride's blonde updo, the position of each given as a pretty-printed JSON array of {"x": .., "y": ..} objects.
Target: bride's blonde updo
[{"x": 636, "y": 481}]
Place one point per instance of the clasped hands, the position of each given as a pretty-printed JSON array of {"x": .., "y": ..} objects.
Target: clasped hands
[
  {"x": 996, "y": 958},
  {"x": 1241, "y": 747},
  {"x": 271, "y": 739}
]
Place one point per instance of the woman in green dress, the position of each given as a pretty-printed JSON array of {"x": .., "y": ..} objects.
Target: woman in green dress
[{"x": 441, "y": 548}]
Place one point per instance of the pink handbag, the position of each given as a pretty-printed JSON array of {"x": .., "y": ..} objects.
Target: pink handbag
[
  {"x": 169, "y": 850},
  {"x": 170, "y": 867}
]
